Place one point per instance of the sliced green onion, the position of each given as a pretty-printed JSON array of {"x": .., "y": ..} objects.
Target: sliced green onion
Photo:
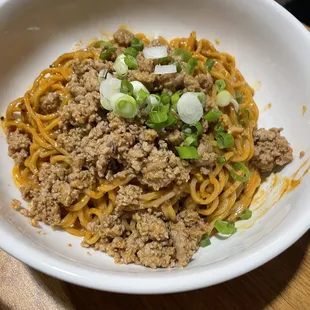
[
  {"x": 164, "y": 60},
  {"x": 191, "y": 65},
  {"x": 221, "y": 160},
  {"x": 131, "y": 62},
  {"x": 175, "y": 98},
  {"x": 224, "y": 98},
  {"x": 239, "y": 96},
  {"x": 202, "y": 97},
  {"x": 244, "y": 116},
  {"x": 136, "y": 43},
  {"x": 189, "y": 108},
  {"x": 171, "y": 120},
  {"x": 209, "y": 64},
  {"x": 224, "y": 140},
  {"x": 153, "y": 99},
  {"x": 219, "y": 127},
  {"x": 198, "y": 128},
  {"x": 191, "y": 140},
  {"x": 137, "y": 86},
  {"x": 225, "y": 228},
  {"x": 108, "y": 88},
  {"x": 213, "y": 115},
  {"x": 124, "y": 105},
  {"x": 157, "y": 117},
  {"x": 246, "y": 215},
  {"x": 120, "y": 65},
  {"x": 102, "y": 75},
  {"x": 165, "y": 98},
  {"x": 185, "y": 55},
  {"x": 178, "y": 66},
  {"x": 244, "y": 169},
  {"x": 131, "y": 52},
  {"x": 126, "y": 87},
  {"x": 105, "y": 55},
  {"x": 220, "y": 85},
  {"x": 205, "y": 241},
  {"x": 187, "y": 152},
  {"x": 141, "y": 96}
]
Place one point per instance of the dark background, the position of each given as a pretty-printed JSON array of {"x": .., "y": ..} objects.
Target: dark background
[{"x": 301, "y": 9}]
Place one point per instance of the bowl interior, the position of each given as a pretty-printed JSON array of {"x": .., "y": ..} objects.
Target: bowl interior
[{"x": 272, "y": 51}]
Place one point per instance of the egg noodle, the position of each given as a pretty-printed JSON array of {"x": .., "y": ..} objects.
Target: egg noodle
[{"x": 217, "y": 196}]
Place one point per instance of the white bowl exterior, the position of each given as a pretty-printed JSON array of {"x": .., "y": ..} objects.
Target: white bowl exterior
[{"x": 272, "y": 50}]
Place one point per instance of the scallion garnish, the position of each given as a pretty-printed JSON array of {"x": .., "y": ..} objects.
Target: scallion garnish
[
  {"x": 187, "y": 152},
  {"x": 124, "y": 105},
  {"x": 201, "y": 96},
  {"x": 157, "y": 117},
  {"x": 219, "y": 127},
  {"x": 185, "y": 55},
  {"x": 213, "y": 115},
  {"x": 191, "y": 65},
  {"x": 153, "y": 100},
  {"x": 191, "y": 140},
  {"x": 137, "y": 87},
  {"x": 220, "y": 85},
  {"x": 178, "y": 66},
  {"x": 102, "y": 44},
  {"x": 164, "y": 60},
  {"x": 136, "y": 43},
  {"x": 246, "y": 215},
  {"x": 237, "y": 177},
  {"x": 170, "y": 121},
  {"x": 126, "y": 87},
  {"x": 165, "y": 98},
  {"x": 120, "y": 65},
  {"x": 239, "y": 96},
  {"x": 189, "y": 108},
  {"x": 224, "y": 140},
  {"x": 131, "y": 51},
  {"x": 131, "y": 62},
  {"x": 205, "y": 241},
  {"x": 225, "y": 228},
  {"x": 244, "y": 116},
  {"x": 221, "y": 159},
  {"x": 175, "y": 98},
  {"x": 209, "y": 64}
]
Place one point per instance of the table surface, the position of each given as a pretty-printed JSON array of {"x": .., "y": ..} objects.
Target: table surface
[{"x": 282, "y": 283}]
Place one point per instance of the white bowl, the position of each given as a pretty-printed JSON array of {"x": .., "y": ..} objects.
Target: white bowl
[{"x": 272, "y": 50}]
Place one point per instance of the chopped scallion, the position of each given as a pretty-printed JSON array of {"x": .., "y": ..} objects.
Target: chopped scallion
[
  {"x": 239, "y": 96},
  {"x": 131, "y": 62},
  {"x": 213, "y": 115},
  {"x": 221, "y": 159},
  {"x": 124, "y": 105},
  {"x": 225, "y": 228},
  {"x": 157, "y": 117},
  {"x": 191, "y": 140},
  {"x": 126, "y": 87},
  {"x": 120, "y": 65},
  {"x": 185, "y": 55},
  {"x": 165, "y": 98},
  {"x": 209, "y": 64},
  {"x": 246, "y": 215},
  {"x": 131, "y": 51},
  {"x": 224, "y": 140},
  {"x": 170, "y": 121},
  {"x": 191, "y": 65},
  {"x": 136, "y": 43},
  {"x": 244, "y": 116},
  {"x": 240, "y": 167},
  {"x": 220, "y": 85},
  {"x": 219, "y": 127},
  {"x": 164, "y": 60},
  {"x": 175, "y": 98},
  {"x": 205, "y": 241},
  {"x": 102, "y": 44},
  {"x": 187, "y": 152},
  {"x": 178, "y": 66}
]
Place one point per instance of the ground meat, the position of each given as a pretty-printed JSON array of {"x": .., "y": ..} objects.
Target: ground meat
[
  {"x": 45, "y": 208},
  {"x": 16, "y": 204},
  {"x": 64, "y": 193},
  {"x": 186, "y": 234},
  {"x": 207, "y": 155},
  {"x": 50, "y": 103},
  {"x": 146, "y": 65},
  {"x": 19, "y": 144},
  {"x": 191, "y": 84},
  {"x": 71, "y": 139},
  {"x": 271, "y": 149},
  {"x": 82, "y": 180},
  {"x": 110, "y": 226},
  {"x": 127, "y": 195},
  {"x": 170, "y": 82},
  {"x": 175, "y": 137},
  {"x": 146, "y": 78},
  {"x": 123, "y": 37},
  {"x": 201, "y": 82},
  {"x": 162, "y": 167},
  {"x": 50, "y": 174},
  {"x": 151, "y": 227},
  {"x": 156, "y": 254},
  {"x": 205, "y": 81},
  {"x": 79, "y": 114}
]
